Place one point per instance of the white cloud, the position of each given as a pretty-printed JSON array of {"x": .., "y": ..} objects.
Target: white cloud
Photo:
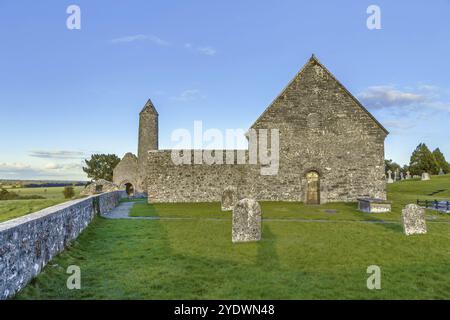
[
  {"x": 209, "y": 51},
  {"x": 14, "y": 166},
  {"x": 53, "y": 166},
  {"x": 379, "y": 97},
  {"x": 189, "y": 95},
  {"x": 50, "y": 170},
  {"x": 57, "y": 154},
  {"x": 419, "y": 99},
  {"x": 205, "y": 50},
  {"x": 141, "y": 37}
]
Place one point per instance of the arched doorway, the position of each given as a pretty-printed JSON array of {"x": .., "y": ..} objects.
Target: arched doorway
[
  {"x": 129, "y": 189},
  {"x": 312, "y": 188}
]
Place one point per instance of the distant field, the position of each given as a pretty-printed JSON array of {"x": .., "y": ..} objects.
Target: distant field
[{"x": 11, "y": 209}]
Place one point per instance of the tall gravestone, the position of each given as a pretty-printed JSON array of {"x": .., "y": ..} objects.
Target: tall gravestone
[
  {"x": 408, "y": 175},
  {"x": 389, "y": 179},
  {"x": 246, "y": 221},
  {"x": 414, "y": 220},
  {"x": 229, "y": 198},
  {"x": 425, "y": 176},
  {"x": 402, "y": 176},
  {"x": 441, "y": 172}
]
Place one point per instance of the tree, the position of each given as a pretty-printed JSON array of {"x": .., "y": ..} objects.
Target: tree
[
  {"x": 441, "y": 161},
  {"x": 390, "y": 165},
  {"x": 422, "y": 160},
  {"x": 68, "y": 192},
  {"x": 101, "y": 166}
]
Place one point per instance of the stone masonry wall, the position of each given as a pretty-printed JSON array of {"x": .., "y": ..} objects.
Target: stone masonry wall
[
  {"x": 322, "y": 127},
  {"x": 168, "y": 182},
  {"x": 28, "y": 243},
  {"x": 127, "y": 172}
]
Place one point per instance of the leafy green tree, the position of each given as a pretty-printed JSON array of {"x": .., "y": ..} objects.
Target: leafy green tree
[
  {"x": 441, "y": 161},
  {"x": 422, "y": 160},
  {"x": 101, "y": 166},
  {"x": 391, "y": 165},
  {"x": 68, "y": 192}
]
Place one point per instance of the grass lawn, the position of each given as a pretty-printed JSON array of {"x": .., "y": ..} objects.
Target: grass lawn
[
  {"x": 296, "y": 259},
  {"x": 10, "y": 209}
]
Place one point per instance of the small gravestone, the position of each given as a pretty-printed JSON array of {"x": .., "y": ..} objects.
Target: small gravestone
[
  {"x": 229, "y": 198},
  {"x": 402, "y": 176},
  {"x": 441, "y": 172},
  {"x": 246, "y": 221},
  {"x": 408, "y": 175},
  {"x": 425, "y": 176},
  {"x": 389, "y": 179},
  {"x": 414, "y": 220}
]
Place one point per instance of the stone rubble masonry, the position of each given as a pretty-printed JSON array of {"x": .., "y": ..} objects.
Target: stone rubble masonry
[
  {"x": 127, "y": 172},
  {"x": 229, "y": 198},
  {"x": 28, "y": 243},
  {"x": 322, "y": 127},
  {"x": 104, "y": 185},
  {"x": 246, "y": 221},
  {"x": 414, "y": 219}
]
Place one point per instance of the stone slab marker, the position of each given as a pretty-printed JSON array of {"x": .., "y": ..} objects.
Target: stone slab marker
[
  {"x": 414, "y": 220},
  {"x": 425, "y": 176},
  {"x": 408, "y": 175},
  {"x": 229, "y": 198},
  {"x": 246, "y": 221},
  {"x": 389, "y": 179}
]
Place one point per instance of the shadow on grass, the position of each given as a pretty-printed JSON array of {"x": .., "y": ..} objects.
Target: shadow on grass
[
  {"x": 267, "y": 248},
  {"x": 388, "y": 225}
]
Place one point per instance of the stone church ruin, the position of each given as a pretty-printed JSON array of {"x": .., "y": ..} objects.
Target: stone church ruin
[{"x": 330, "y": 149}]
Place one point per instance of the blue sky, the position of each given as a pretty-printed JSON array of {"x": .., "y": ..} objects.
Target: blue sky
[{"x": 65, "y": 94}]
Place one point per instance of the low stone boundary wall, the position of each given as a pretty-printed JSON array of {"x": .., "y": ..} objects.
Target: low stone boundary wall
[{"x": 28, "y": 243}]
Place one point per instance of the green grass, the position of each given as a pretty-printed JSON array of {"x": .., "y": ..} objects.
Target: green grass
[
  {"x": 10, "y": 209},
  {"x": 195, "y": 259}
]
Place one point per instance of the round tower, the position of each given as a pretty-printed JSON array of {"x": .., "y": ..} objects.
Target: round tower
[
  {"x": 148, "y": 130},
  {"x": 148, "y": 140}
]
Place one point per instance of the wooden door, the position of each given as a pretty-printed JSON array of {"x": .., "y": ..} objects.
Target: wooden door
[{"x": 313, "y": 188}]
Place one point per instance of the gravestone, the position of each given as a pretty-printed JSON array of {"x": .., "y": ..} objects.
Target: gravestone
[
  {"x": 389, "y": 179},
  {"x": 402, "y": 176},
  {"x": 246, "y": 221},
  {"x": 229, "y": 198},
  {"x": 425, "y": 176},
  {"x": 441, "y": 172},
  {"x": 414, "y": 220},
  {"x": 408, "y": 175},
  {"x": 396, "y": 175}
]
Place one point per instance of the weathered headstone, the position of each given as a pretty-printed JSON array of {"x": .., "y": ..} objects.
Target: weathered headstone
[
  {"x": 389, "y": 179},
  {"x": 402, "y": 176},
  {"x": 246, "y": 221},
  {"x": 396, "y": 175},
  {"x": 441, "y": 172},
  {"x": 414, "y": 220},
  {"x": 408, "y": 175},
  {"x": 229, "y": 198},
  {"x": 425, "y": 176}
]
